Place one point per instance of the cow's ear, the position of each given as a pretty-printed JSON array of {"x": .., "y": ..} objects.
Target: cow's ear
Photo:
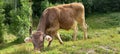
[
  {"x": 48, "y": 38},
  {"x": 28, "y": 39}
]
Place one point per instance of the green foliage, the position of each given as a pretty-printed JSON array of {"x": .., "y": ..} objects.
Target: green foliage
[
  {"x": 101, "y": 6},
  {"x": 1, "y": 27},
  {"x": 36, "y": 8},
  {"x": 7, "y": 7},
  {"x": 39, "y": 6},
  {"x": 45, "y": 4},
  {"x": 16, "y": 20},
  {"x": 20, "y": 23},
  {"x": 63, "y": 1},
  {"x": 1, "y": 22},
  {"x": 91, "y": 6},
  {"x": 68, "y": 35}
]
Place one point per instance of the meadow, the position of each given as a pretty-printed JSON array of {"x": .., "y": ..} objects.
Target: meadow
[{"x": 103, "y": 32}]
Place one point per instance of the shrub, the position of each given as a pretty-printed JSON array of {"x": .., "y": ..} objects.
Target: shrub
[
  {"x": 101, "y": 6},
  {"x": 20, "y": 22},
  {"x": 68, "y": 35},
  {"x": 1, "y": 22}
]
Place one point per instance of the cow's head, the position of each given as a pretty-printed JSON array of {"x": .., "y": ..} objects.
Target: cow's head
[{"x": 38, "y": 40}]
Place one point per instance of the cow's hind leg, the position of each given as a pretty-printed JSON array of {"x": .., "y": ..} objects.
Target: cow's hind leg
[
  {"x": 83, "y": 25},
  {"x": 84, "y": 28},
  {"x": 75, "y": 29}
]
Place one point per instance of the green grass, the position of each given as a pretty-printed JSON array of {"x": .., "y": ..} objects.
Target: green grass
[{"x": 104, "y": 38}]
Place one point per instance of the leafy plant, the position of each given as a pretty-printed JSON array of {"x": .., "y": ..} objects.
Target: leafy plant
[
  {"x": 1, "y": 22},
  {"x": 20, "y": 22}
]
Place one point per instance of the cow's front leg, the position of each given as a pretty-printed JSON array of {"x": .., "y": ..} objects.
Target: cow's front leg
[
  {"x": 49, "y": 43},
  {"x": 52, "y": 32}
]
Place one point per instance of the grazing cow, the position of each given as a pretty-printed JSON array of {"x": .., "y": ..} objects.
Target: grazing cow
[{"x": 64, "y": 16}]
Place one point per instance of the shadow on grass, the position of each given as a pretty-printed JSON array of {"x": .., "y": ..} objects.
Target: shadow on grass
[
  {"x": 49, "y": 48},
  {"x": 21, "y": 52},
  {"x": 6, "y": 45}
]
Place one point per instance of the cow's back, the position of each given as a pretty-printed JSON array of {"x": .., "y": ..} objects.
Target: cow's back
[{"x": 64, "y": 14}]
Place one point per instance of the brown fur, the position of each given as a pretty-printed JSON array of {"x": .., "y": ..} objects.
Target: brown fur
[{"x": 64, "y": 16}]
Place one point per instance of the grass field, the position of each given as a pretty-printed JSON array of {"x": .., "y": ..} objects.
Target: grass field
[{"x": 104, "y": 38}]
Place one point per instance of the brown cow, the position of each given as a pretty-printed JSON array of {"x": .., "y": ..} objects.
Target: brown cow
[{"x": 64, "y": 16}]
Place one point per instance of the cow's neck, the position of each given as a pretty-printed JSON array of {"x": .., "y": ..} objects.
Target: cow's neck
[{"x": 42, "y": 25}]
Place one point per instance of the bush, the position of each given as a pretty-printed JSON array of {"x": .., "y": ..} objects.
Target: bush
[
  {"x": 68, "y": 35},
  {"x": 101, "y": 6},
  {"x": 1, "y": 23},
  {"x": 1, "y": 27},
  {"x": 16, "y": 19},
  {"x": 20, "y": 22},
  {"x": 63, "y": 1}
]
